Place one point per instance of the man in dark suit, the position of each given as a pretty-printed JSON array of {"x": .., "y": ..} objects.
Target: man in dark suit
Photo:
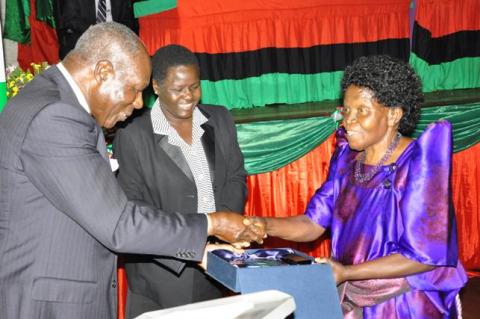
[
  {"x": 62, "y": 213},
  {"x": 73, "y": 17},
  {"x": 180, "y": 157}
]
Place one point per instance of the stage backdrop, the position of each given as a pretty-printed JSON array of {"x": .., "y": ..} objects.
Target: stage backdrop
[{"x": 255, "y": 53}]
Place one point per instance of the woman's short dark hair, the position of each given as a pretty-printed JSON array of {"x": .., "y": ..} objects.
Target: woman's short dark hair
[
  {"x": 393, "y": 83},
  {"x": 168, "y": 56}
]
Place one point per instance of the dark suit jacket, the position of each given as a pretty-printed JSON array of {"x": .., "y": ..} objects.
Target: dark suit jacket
[
  {"x": 73, "y": 17},
  {"x": 63, "y": 214},
  {"x": 154, "y": 171}
]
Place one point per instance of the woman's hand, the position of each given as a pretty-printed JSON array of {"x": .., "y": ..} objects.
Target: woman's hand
[{"x": 339, "y": 271}]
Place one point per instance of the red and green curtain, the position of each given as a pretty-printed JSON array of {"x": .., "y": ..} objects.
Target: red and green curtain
[
  {"x": 446, "y": 44},
  {"x": 254, "y": 53}
]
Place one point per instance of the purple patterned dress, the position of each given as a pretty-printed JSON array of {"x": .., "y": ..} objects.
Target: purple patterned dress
[{"x": 404, "y": 209}]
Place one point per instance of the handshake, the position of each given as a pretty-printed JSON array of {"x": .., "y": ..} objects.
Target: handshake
[{"x": 236, "y": 229}]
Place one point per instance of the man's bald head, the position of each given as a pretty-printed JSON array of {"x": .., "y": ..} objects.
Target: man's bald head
[
  {"x": 111, "y": 67},
  {"x": 109, "y": 41}
]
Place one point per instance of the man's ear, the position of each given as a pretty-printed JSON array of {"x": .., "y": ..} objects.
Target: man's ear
[
  {"x": 394, "y": 115},
  {"x": 103, "y": 71}
]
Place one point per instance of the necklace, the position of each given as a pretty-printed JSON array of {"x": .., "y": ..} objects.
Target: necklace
[{"x": 361, "y": 177}]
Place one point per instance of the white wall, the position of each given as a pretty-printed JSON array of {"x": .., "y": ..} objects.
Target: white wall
[{"x": 9, "y": 47}]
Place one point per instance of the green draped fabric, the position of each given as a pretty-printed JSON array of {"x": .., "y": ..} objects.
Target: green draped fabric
[
  {"x": 273, "y": 88},
  {"x": 45, "y": 11},
  {"x": 458, "y": 74},
  {"x": 279, "y": 88},
  {"x": 268, "y": 146},
  {"x": 17, "y": 26},
  {"x": 464, "y": 118},
  {"x": 144, "y": 8}
]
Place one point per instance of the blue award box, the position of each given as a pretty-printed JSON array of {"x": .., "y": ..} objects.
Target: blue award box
[{"x": 311, "y": 285}]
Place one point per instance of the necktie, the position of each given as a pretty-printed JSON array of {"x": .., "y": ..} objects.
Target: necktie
[{"x": 101, "y": 11}]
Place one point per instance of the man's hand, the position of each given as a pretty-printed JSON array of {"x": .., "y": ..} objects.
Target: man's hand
[
  {"x": 211, "y": 247},
  {"x": 235, "y": 228}
]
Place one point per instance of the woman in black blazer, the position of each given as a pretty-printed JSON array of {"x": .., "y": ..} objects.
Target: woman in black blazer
[{"x": 179, "y": 156}]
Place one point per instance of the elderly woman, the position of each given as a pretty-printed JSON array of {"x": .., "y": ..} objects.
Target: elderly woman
[{"x": 386, "y": 201}]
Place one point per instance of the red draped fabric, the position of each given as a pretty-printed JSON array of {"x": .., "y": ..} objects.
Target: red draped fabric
[
  {"x": 466, "y": 199},
  {"x": 444, "y": 17},
  {"x": 208, "y": 26}
]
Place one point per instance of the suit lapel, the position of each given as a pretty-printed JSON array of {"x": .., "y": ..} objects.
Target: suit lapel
[
  {"x": 174, "y": 153},
  {"x": 208, "y": 142},
  {"x": 68, "y": 94}
]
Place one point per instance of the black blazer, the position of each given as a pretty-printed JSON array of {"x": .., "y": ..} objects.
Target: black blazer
[
  {"x": 156, "y": 172},
  {"x": 73, "y": 17}
]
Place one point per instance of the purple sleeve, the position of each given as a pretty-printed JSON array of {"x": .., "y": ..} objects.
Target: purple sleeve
[
  {"x": 430, "y": 234},
  {"x": 428, "y": 220},
  {"x": 321, "y": 205}
]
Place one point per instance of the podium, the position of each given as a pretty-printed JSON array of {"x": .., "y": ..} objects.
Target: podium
[{"x": 270, "y": 304}]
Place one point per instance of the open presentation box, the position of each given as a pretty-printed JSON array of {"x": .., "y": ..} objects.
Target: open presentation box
[{"x": 312, "y": 286}]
